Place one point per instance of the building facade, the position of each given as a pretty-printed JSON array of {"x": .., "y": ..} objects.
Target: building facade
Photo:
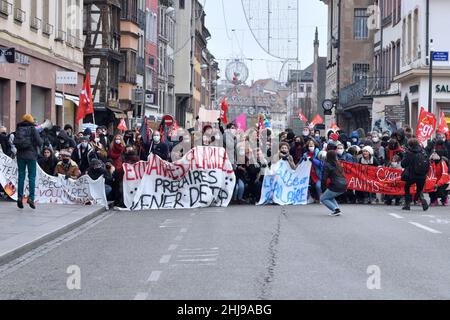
[
  {"x": 151, "y": 60},
  {"x": 414, "y": 58},
  {"x": 47, "y": 38},
  {"x": 102, "y": 58},
  {"x": 349, "y": 61}
]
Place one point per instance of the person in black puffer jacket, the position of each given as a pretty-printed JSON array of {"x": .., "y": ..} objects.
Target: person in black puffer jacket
[
  {"x": 5, "y": 144},
  {"x": 333, "y": 172},
  {"x": 414, "y": 172},
  {"x": 47, "y": 162},
  {"x": 27, "y": 141}
]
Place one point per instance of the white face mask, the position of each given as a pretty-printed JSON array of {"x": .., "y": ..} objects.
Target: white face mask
[
  {"x": 156, "y": 138},
  {"x": 340, "y": 152},
  {"x": 305, "y": 133},
  {"x": 118, "y": 141},
  {"x": 84, "y": 144},
  {"x": 311, "y": 149},
  {"x": 375, "y": 140}
]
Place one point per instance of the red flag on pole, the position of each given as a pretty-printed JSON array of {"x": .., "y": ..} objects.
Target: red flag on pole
[
  {"x": 317, "y": 120},
  {"x": 86, "y": 105},
  {"x": 426, "y": 125},
  {"x": 224, "y": 111},
  {"x": 122, "y": 125},
  {"x": 302, "y": 117},
  {"x": 335, "y": 127},
  {"x": 443, "y": 126}
]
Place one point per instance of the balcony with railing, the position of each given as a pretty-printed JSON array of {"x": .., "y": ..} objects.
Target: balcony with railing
[
  {"x": 5, "y": 8},
  {"x": 19, "y": 15},
  {"x": 35, "y": 23},
  {"x": 367, "y": 88},
  {"x": 60, "y": 36},
  {"x": 47, "y": 29}
]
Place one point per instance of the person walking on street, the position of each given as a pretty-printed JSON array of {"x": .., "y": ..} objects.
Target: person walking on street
[
  {"x": 417, "y": 166},
  {"x": 27, "y": 142},
  {"x": 337, "y": 186}
]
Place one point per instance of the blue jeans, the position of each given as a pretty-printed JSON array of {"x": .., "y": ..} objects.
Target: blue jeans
[
  {"x": 318, "y": 186},
  {"x": 328, "y": 198},
  {"x": 23, "y": 165},
  {"x": 239, "y": 190}
]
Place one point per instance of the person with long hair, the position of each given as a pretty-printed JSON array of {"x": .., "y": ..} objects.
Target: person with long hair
[{"x": 334, "y": 174}]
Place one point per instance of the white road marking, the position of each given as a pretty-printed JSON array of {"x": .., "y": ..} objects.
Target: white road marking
[
  {"x": 154, "y": 276},
  {"x": 183, "y": 230},
  {"x": 168, "y": 226},
  {"x": 141, "y": 296},
  {"x": 199, "y": 249},
  {"x": 424, "y": 227},
  {"x": 172, "y": 247},
  {"x": 428, "y": 216},
  {"x": 179, "y": 238},
  {"x": 396, "y": 216},
  {"x": 165, "y": 258},
  {"x": 190, "y": 264},
  {"x": 197, "y": 260},
  {"x": 198, "y": 255}
]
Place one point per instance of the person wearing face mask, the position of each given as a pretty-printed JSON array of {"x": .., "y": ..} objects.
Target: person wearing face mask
[
  {"x": 83, "y": 154},
  {"x": 393, "y": 148},
  {"x": 159, "y": 147},
  {"x": 241, "y": 175},
  {"x": 333, "y": 183},
  {"x": 354, "y": 138},
  {"x": 395, "y": 163},
  {"x": 378, "y": 149},
  {"x": 284, "y": 155},
  {"x": 311, "y": 154},
  {"x": 97, "y": 170},
  {"x": 306, "y": 134},
  {"x": 47, "y": 162},
  {"x": 67, "y": 167},
  {"x": 440, "y": 145},
  {"x": 439, "y": 165},
  {"x": 367, "y": 159},
  {"x": 342, "y": 155},
  {"x": 64, "y": 141}
]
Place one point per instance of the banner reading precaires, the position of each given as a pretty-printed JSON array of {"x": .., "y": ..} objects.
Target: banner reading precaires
[
  {"x": 51, "y": 189},
  {"x": 285, "y": 186},
  {"x": 204, "y": 177}
]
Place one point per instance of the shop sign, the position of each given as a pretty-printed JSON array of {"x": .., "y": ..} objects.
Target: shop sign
[{"x": 441, "y": 88}]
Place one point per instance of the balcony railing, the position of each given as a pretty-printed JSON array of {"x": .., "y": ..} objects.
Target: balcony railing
[
  {"x": 19, "y": 15},
  {"x": 60, "y": 36},
  {"x": 368, "y": 87},
  {"x": 5, "y": 8},
  {"x": 35, "y": 23},
  {"x": 71, "y": 41},
  {"x": 47, "y": 29}
]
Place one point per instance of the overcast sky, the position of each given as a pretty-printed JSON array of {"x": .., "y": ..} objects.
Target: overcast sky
[{"x": 242, "y": 44}]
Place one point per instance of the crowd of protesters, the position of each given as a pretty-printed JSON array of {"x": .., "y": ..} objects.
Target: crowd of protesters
[{"x": 61, "y": 151}]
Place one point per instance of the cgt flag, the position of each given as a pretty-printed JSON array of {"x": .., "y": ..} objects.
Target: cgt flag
[
  {"x": 302, "y": 117},
  {"x": 317, "y": 120},
  {"x": 443, "y": 126},
  {"x": 426, "y": 125},
  {"x": 86, "y": 105},
  {"x": 224, "y": 111}
]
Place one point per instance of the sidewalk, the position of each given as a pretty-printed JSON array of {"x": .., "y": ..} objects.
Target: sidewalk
[{"x": 24, "y": 230}]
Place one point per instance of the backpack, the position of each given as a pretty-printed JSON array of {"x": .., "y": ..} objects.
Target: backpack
[
  {"x": 421, "y": 164},
  {"x": 23, "y": 138}
]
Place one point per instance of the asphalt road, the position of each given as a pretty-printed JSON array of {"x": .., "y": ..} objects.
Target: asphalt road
[{"x": 243, "y": 252}]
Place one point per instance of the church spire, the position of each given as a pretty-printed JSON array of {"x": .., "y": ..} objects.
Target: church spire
[{"x": 316, "y": 40}]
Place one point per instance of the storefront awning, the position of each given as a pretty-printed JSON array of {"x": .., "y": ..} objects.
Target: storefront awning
[
  {"x": 59, "y": 97},
  {"x": 118, "y": 113}
]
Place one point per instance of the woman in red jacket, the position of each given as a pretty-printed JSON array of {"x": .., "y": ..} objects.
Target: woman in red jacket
[
  {"x": 440, "y": 169},
  {"x": 115, "y": 153}
]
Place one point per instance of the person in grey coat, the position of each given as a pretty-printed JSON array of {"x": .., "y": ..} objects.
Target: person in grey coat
[{"x": 27, "y": 141}]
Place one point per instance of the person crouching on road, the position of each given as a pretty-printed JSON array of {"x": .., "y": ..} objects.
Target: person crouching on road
[
  {"x": 67, "y": 167},
  {"x": 439, "y": 166},
  {"x": 27, "y": 141},
  {"x": 337, "y": 186}
]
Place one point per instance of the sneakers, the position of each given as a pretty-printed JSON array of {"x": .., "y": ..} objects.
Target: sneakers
[
  {"x": 335, "y": 213},
  {"x": 20, "y": 203},
  {"x": 406, "y": 208},
  {"x": 434, "y": 203},
  {"x": 445, "y": 202},
  {"x": 425, "y": 206},
  {"x": 31, "y": 204}
]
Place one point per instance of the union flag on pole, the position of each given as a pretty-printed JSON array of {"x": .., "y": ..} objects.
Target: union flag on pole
[
  {"x": 302, "y": 117},
  {"x": 443, "y": 126},
  {"x": 317, "y": 120},
  {"x": 224, "y": 111},
  {"x": 86, "y": 105},
  {"x": 425, "y": 126}
]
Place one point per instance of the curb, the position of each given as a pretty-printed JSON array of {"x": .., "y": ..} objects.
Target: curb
[{"x": 20, "y": 251}]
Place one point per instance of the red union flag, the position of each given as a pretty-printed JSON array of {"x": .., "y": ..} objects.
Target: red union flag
[
  {"x": 317, "y": 120},
  {"x": 443, "y": 126},
  {"x": 224, "y": 111},
  {"x": 302, "y": 117},
  {"x": 426, "y": 125},
  {"x": 86, "y": 105},
  {"x": 335, "y": 127}
]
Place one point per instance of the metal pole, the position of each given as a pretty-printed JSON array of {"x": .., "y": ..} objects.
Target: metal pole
[
  {"x": 430, "y": 82},
  {"x": 427, "y": 24},
  {"x": 268, "y": 26}
]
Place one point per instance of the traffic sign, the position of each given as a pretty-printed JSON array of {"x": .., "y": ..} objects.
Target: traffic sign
[
  {"x": 440, "y": 56},
  {"x": 168, "y": 120}
]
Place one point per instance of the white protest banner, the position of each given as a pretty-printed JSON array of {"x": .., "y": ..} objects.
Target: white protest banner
[
  {"x": 285, "y": 186},
  {"x": 51, "y": 189},
  {"x": 204, "y": 177}
]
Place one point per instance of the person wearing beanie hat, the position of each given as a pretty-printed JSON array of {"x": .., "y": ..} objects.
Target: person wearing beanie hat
[
  {"x": 83, "y": 154},
  {"x": 69, "y": 130},
  {"x": 27, "y": 141},
  {"x": 354, "y": 138},
  {"x": 67, "y": 167}
]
